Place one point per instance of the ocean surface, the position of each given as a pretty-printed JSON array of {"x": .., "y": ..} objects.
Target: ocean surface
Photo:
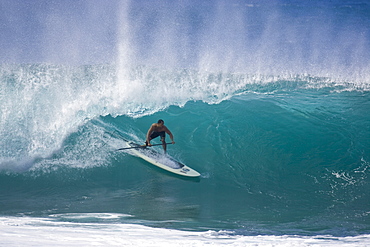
[{"x": 276, "y": 119}]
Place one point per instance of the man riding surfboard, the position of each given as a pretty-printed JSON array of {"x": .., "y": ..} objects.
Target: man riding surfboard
[{"x": 158, "y": 129}]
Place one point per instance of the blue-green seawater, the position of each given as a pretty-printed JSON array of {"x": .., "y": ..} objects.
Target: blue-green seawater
[{"x": 276, "y": 155}]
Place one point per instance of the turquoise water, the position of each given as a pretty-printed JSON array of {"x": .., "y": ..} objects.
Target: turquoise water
[{"x": 283, "y": 157}]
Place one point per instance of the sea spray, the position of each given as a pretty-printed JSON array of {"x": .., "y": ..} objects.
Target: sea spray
[{"x": 42, "y": 104}]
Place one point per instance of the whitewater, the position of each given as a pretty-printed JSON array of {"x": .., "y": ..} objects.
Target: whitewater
[{"x": 268, "y": 101}]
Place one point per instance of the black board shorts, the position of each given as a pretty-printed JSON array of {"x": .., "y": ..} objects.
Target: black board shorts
[{"x": 156, "y": 134}]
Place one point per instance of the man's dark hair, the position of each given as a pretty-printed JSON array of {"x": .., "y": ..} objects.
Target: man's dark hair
[{"x": 160, "y": 121}]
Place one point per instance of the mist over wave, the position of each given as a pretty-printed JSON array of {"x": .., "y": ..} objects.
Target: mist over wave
[
  {"x": 265, "y": 38},
  {"x": 162, "y": 55}
]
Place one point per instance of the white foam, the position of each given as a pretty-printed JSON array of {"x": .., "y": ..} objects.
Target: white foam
[{"x": 27, "y": 231}]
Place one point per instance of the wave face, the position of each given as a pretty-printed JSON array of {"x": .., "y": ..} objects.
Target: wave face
[
  {"x": 292, "y": 152},
  {"x": 277, "y": 125}
]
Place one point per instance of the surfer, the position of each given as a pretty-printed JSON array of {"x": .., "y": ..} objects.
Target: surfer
[{"x": 158, "y": 129}]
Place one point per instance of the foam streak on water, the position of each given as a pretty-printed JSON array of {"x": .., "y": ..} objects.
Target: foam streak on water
[{"x": 31, "y": 231}]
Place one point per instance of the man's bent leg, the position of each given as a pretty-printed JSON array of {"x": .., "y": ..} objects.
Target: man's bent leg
[{"x": 164, "y": 145}]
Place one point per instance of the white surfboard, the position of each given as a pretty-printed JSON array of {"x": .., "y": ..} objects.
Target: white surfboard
[{"x": 163, "y": 161}]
